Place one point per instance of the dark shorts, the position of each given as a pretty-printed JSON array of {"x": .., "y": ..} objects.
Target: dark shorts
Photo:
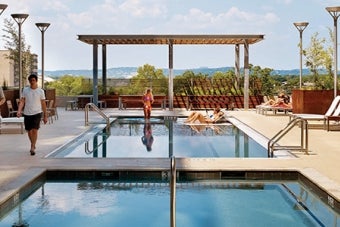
[{"x": 32, "y": 121}]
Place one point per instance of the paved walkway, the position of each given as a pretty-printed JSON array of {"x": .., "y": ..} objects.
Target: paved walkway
[{"x": 18, "y": 167}]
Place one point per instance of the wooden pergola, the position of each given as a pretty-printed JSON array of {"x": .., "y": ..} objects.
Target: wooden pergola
[{"x": 171, "y": 40}]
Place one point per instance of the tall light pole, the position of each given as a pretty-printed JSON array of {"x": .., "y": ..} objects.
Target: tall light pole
[
  {"x": 20, "y": 19},
  {"x": 42, "y": 27},
  {"x": 335, "y": 13},
  {"x": 301, "y": 27},
  {"x": 2, "y": 8}
]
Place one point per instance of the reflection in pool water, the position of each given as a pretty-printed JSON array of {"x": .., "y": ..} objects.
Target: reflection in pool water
[{"x": 162, "y": 138}]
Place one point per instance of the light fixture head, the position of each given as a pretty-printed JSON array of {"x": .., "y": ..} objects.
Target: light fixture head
[
  {"x": 301, "y": 25},
  {"x": 19, "y": 17},
  {"x": 2, "y": 8},
  {"x": 42, "y": 26},
  {"x": 333, "y": 9}
]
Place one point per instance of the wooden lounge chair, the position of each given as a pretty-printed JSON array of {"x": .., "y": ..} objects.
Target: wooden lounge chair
[
  {"x": 332, "y": 111},
  {"x": 12, "y": 120}
]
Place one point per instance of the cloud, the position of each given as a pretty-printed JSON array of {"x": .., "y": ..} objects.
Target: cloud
[
  {"x": 84, "y": 19},
  {"x": 234, "y": 20},
  {"x": 55, "y": 6},
  {"x": 144, "y": 9}
]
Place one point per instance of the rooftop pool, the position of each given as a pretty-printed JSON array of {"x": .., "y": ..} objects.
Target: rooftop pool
[
  {"x": 159, "y": 138},
  {"x": 126, "y": 199}
]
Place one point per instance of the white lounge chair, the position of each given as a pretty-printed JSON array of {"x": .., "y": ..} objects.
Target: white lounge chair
[
  {"x": 334, "y": 117},
  {"x": 321, "y": 117},
  {"x": 12, "y": 120}
]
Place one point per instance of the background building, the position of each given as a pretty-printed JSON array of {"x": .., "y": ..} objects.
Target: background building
[{"x": 8, "y": 69}]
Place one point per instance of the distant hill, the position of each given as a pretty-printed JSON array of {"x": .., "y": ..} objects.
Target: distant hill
[{"x": 128, "y": 72}]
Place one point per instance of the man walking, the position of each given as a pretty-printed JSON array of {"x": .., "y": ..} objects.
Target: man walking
[{"x": 34, "y": 105}]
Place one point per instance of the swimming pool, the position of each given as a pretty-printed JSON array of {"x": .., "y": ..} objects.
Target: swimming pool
[
  {"x": 159, "y": 138},
  {"x": 146, "y": 203}
]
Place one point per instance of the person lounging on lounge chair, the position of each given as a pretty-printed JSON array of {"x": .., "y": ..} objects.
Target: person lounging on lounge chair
[
  {"x": 199, "y": 117},
  {"x": 282, "y": 103}
]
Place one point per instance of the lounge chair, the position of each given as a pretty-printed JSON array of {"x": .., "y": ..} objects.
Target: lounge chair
[
  {"x": 12, "y": 120},
  {"x": 11, "y": 111},
  {"x": 334, "y": 117},
  {"x": 333, "y": 110},
  {"x": 263, "y": 109}
]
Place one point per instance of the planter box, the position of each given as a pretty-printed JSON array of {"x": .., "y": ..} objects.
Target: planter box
[{"x": 312, "y": 101}]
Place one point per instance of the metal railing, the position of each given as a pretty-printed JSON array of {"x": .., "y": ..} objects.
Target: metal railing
[
  {"x": 173, "y": 192},
  {"x": 95, "y": 108},
  {"x": 95, "y": 148},
  {"x": 272, "y": 143}
]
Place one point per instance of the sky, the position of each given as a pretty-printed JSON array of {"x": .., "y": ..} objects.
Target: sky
[{"x": 69, "y": 18}]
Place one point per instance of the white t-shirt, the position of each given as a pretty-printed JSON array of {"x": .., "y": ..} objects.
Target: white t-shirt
[{"x": 33, "y": 99}]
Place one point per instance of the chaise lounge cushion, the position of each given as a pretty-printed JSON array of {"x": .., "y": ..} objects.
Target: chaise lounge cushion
[{"x": 12, "y": 120}]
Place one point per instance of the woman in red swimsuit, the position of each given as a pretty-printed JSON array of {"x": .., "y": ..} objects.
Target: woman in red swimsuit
[{"x": 147, "y": 101}]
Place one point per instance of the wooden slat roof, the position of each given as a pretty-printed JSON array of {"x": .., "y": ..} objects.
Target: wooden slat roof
[{"x": 166, "y": 39}]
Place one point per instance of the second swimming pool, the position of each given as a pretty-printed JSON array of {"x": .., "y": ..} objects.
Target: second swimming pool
[
  {"x": 146, "y": 203},
  {"x": 159, "y": 138}
]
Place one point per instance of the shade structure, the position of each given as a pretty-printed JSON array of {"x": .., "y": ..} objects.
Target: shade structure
[{"x": 170, "y": 40}]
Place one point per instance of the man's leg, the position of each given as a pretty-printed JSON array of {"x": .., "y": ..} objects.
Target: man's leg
[{"x": 33, "y": 136}]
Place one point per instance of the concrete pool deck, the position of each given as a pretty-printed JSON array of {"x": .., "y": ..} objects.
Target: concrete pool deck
[{"x": 18, "y": 167}]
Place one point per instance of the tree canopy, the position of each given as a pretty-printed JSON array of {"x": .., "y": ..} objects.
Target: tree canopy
[{"x": 11, "y": 38}]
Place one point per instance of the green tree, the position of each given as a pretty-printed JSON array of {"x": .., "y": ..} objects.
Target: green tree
[
  {"x": 11, "y": 38},
  {"x": 317, "y": 57},
  {"x": 149, "y": 77},
  {"x": 261, "y": 81},
  {"x": 68, "y": 85}
]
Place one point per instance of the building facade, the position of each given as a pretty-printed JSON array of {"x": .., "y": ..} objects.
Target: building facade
[{"x": 9, "y": 71}]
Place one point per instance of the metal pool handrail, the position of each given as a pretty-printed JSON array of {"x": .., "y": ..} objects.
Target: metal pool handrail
[
  {"x": 95, "y": 108},
  {"x": 87, "y": 149},
  {"x": 272, "y": 146},
  {"x": 173, "y": 192}
]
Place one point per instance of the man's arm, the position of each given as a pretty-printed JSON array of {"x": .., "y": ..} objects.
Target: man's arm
[
  {"x": 44, "y": 109},
  {"x": 21, "y": 106}
]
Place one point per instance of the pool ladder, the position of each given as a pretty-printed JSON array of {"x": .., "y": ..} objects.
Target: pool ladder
[
  {"x": 272, "y": 143},
  {"x": 95, "y": 108}
]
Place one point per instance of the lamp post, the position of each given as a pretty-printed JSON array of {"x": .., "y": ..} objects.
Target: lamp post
[
  {"x": 2, "y": 8},
  {"x": 335, "y": 13},
  {"x": 20, "y": 19},
  {"x": 42, "y": 27},
  {"x": 301, "y": 27}
]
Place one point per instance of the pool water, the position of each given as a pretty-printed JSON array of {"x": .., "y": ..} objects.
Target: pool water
[
  {"x": 133, "y": 137},
  {"x": 199, "y": 203}
]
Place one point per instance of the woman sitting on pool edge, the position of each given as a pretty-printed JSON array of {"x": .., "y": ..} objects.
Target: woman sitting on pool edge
[{"x": 197, "y": 116}]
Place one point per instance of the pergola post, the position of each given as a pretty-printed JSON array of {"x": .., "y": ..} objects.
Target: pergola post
[
  {"x": 95, "y": 73},
  {"x": 104, "y": 69},
  {"x": 237, "y": 65},
  {"x": 246, "y": 76},
  {"x": 171, "y": 79}
]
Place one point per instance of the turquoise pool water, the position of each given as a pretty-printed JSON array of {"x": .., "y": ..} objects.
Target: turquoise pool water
[
  {"x": 133, "y": 137},
  {"x": 198, "y": 204}
]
